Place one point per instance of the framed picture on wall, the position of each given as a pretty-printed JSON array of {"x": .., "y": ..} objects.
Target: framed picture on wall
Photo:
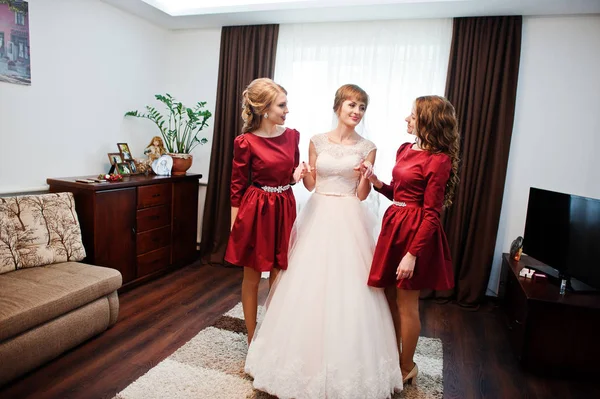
[
  {"x": 115, "y": 158},
  {"x": 125, "y": 151},
  {"x": 123, "y": 168},
  {"x": 15, "y": 62}
]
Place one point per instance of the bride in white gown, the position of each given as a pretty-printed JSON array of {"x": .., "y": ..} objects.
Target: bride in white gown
[{"x": 326, "y": 334}]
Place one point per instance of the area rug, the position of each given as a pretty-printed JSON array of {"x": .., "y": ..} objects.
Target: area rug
[{"x": 211, "y": 366}]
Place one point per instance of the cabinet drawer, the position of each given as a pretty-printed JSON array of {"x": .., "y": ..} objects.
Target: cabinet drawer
[
  {"x": 153, "y": 239},
  {"x": 153, "y": 261},
  {"x": 156, "y": 194},
  {"x": 153, "y": 218}
]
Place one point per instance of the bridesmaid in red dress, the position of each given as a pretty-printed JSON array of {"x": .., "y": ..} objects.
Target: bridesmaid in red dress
[
  {"x": 412, "y": 252},
  {"x": 263, "y": 208}
]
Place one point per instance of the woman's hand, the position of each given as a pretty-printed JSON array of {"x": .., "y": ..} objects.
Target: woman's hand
[
  {"x": 365, "y": 168},
  {"x": 375, "y": 181},
  {"x": 301, "y": 170},
  {"x": 406, "y": 267}
]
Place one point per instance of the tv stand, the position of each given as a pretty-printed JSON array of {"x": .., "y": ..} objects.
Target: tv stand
[
  {"x": 573, "y": 285},
  {"x": 577, "y": 286},
  {"x": 551, "y": 334},
  {"x": 548, "y": 270}
]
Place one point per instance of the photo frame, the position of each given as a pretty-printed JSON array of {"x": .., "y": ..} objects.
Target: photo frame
[
  {"x": 133, "y": 168},
  {"x": 115, "y": 158},
  {"x": 123, "y": 168},
  {"x": 125, "y": 152},
  {"x": 15, "y": 56}
]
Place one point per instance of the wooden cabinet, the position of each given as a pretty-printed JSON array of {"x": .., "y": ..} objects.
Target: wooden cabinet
[
  {"x": 550, "y": 333},
  {"x": 184, "y": 221},
  {"x": 107, "y": 229},
  {"x": 141, "y": 226}
]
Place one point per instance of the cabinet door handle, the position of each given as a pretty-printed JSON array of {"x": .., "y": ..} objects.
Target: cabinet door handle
[
  {"x": 156, "y": 217},
  {"x": 518, "y": 322},
  {"x": 155, "y": 195},
  {"x": 133, "y": 230}
]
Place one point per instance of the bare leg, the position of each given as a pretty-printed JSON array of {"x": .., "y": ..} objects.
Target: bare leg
[
  {"x": 408, "y": 305},
  {"x": 250, "y": 299},
  {"x": 391, "y": 296},
  {"x": 272, "y": 276}
]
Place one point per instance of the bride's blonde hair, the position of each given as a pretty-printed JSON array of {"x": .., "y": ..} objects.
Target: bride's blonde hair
[{"x": 256, "y": 100}]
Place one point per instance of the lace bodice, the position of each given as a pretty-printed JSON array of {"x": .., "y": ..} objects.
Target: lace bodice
[{"x": 335, "y": 165}]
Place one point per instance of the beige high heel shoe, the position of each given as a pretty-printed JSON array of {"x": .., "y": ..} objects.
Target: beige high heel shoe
[{"x": 408, "y": 380}]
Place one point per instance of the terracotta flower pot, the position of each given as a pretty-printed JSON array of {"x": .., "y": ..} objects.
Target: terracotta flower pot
[{"x": 181, "y": 163}]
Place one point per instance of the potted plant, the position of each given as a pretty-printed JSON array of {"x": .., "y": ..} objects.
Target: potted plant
[{"x": 179, "y": 128}]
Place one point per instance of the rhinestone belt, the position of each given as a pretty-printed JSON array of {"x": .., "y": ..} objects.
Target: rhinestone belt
[
  {"x": 278, "y": 189},
  {"x": 407, "y": 204}
]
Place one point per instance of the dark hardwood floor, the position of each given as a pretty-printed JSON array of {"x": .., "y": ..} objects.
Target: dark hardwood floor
[{"x": 157, "y": 318}]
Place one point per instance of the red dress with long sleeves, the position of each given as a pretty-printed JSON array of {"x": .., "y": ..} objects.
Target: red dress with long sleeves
[
  {"x": 261, "y": 231},
  {"x": 419, "y": 180}
]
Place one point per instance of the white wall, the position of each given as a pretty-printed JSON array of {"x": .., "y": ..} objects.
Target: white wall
[
  {"x": 90, "y": 62},
  {"x": 191, "y": 76},
  {"x": 556, "y": 137}
]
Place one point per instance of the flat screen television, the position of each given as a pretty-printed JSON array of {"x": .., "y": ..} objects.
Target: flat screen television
[{"x": 563, "y": 231}]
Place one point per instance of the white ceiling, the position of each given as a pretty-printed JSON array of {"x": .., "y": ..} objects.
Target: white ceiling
[{"x": 194, "y": 14}]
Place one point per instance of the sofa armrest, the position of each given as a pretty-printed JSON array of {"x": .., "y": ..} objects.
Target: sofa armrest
[{"x": 113, "y": 303}]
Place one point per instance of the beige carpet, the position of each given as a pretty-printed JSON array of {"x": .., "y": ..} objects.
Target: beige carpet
[{"x": 211, "y": 366}]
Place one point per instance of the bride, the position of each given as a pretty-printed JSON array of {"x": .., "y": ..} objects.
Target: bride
[{"x": 326, "y": 334}]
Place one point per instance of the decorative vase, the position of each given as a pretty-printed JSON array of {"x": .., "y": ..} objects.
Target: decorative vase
[{"x": 181, "y": 163}]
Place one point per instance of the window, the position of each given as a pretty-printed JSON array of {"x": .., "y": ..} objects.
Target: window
[
  {"x": 19, "y": 18},
  {"x": 393, "y": 61}
]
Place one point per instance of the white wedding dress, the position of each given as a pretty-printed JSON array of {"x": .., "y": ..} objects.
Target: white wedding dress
[{"x": 326, "y": 334}]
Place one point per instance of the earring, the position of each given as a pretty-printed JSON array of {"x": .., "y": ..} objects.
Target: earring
[{"x": 266, "y": 115}]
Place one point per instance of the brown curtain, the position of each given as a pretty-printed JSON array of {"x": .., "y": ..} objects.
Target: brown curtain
[
  {"x": 482, "y": 84},
  {"x": 247, "y": 53}
]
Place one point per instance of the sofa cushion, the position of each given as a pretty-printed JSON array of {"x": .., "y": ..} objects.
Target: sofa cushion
[
  {"x": 9, "y": 256},
  {"x": 38, "y": 230},
  {"x": 34, "y": 296}
]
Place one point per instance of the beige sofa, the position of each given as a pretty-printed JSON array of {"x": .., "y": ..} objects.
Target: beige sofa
[{"x": 49, "y": 302}]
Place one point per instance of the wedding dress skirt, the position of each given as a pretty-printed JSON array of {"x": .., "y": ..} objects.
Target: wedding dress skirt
[{"x": 326, "y": 334}]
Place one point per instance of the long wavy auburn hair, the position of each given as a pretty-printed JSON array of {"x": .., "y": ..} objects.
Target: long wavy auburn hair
[{"x": 437, "y": 132}]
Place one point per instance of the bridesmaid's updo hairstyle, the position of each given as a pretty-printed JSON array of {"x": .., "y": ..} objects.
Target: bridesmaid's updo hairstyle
[
  {"x": 437, "y": 131},
  {"x": 256, "y": 100},
  {"x": 349, "y": 92}
]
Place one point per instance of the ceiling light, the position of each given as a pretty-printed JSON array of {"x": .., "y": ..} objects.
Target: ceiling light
[{"x": 195, "y": 7}]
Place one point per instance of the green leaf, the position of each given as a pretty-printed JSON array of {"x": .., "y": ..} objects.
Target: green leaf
[{"x": 179, "y": 125}]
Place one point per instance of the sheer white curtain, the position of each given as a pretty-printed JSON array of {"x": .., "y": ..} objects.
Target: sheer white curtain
[{"x": 393, "y": 61}]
